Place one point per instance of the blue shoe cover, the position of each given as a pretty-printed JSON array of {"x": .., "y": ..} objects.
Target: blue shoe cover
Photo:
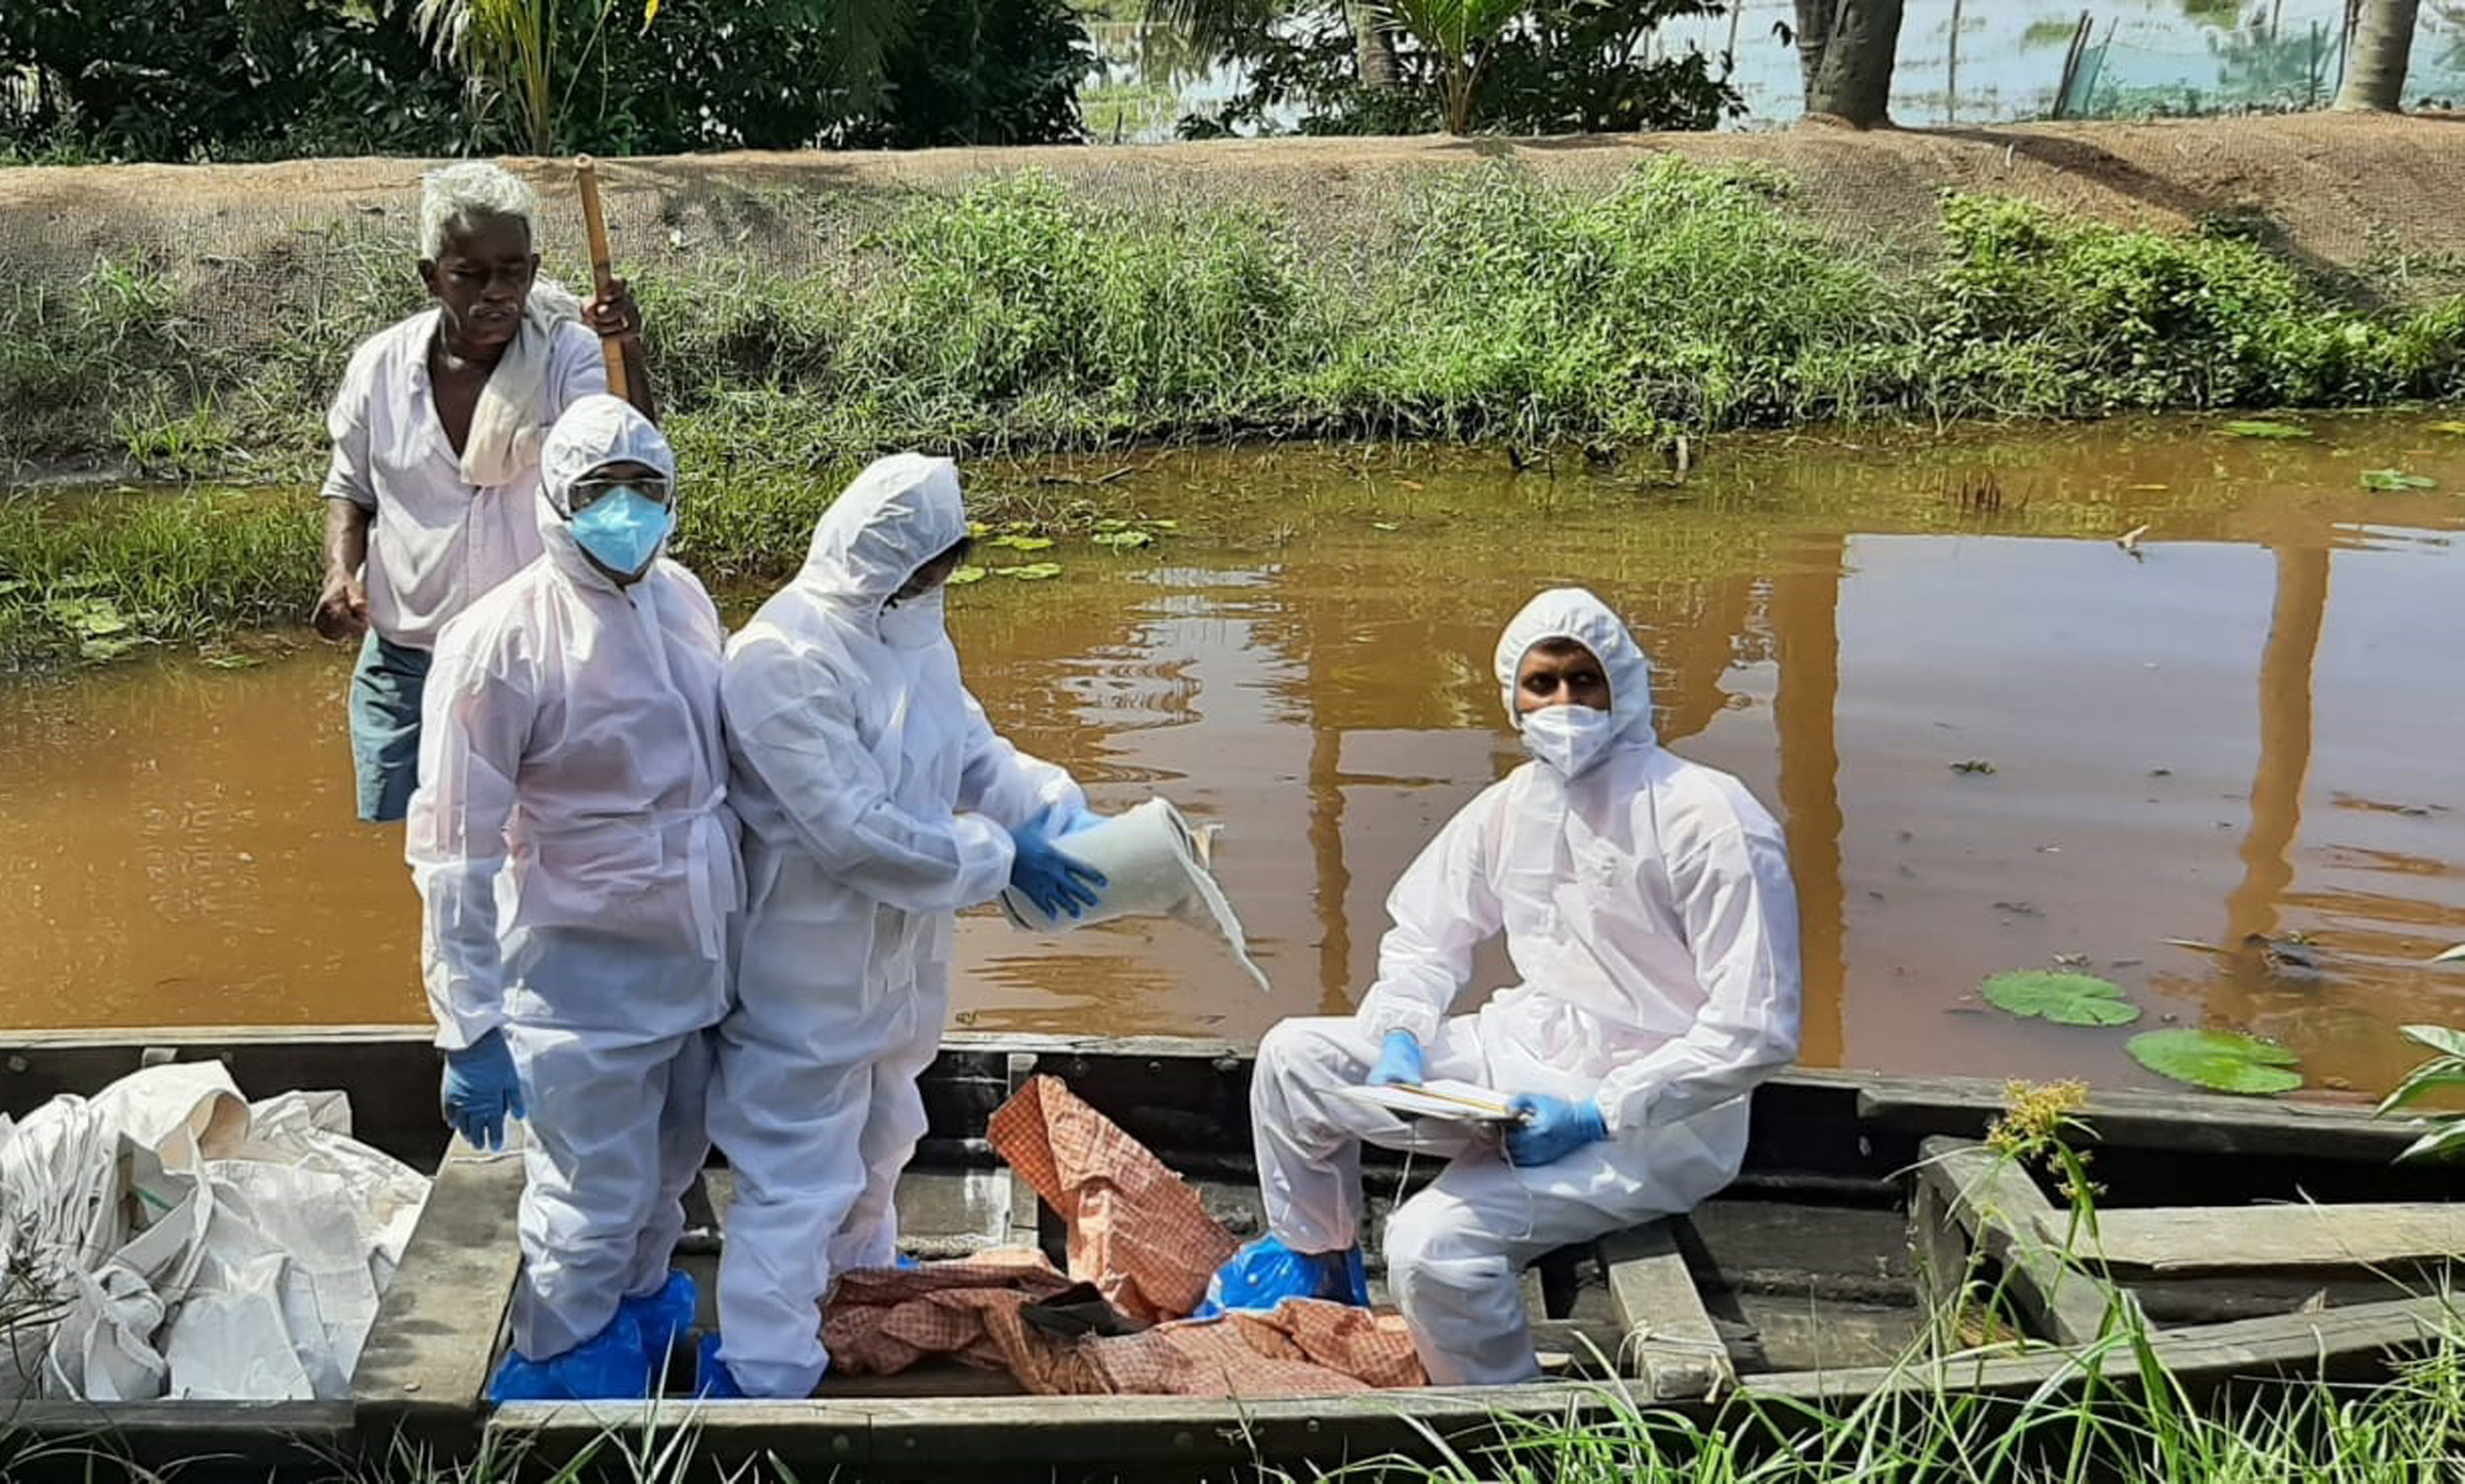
[
  {"x": 664, "y": 1314},
  {"x": 610, "y": 1366},
  {"x": 1266, "y": 1273},
  {"x": 711, "y": 1378}
]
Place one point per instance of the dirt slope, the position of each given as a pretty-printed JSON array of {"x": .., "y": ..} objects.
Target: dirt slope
[{"x": 2335, "y": 187}]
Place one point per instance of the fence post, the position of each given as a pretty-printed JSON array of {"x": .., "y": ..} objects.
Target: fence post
[
  {"x": 1951, "y": 69},
  {"x": 2070, "y": 64}
]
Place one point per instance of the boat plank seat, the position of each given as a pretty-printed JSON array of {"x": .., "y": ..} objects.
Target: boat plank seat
[
  {"x": 2186, "y": 1239},
  {"x": 2000, "y": 1212},
  {"x": 1670, "y": 1340},
  {"x": 424, "y": 1369}
]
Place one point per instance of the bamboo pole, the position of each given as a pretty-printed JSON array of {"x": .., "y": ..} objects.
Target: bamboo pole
[{"x": 595, "y": 224}]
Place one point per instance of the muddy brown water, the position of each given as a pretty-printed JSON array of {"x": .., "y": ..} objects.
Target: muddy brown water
[{"x": 2252, "y": 726}]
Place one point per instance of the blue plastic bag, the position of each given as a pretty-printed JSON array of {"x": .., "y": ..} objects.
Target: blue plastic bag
[{"x": 1266, "y": 1273}]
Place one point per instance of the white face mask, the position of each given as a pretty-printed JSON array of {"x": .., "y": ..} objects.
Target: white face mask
[
  {"x": 912, "y": 623},
  {"x": 1568, "y": 738}
]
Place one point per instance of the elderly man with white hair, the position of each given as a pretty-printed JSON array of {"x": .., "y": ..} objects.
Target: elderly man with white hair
[{"x": 436, "y": 429}]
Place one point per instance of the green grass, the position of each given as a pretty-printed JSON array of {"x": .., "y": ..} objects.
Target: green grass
[
  {"x": 1479, "y": 304},
  {"x": 1020, "y": 317},
  {"x": 92, "y": 578}
]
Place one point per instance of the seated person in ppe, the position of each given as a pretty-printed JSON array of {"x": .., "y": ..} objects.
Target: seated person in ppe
[
  {"x": 1647, "y": 908},
  {"x": 576, "y": 859},
  {"x": 877, "y": 801}
]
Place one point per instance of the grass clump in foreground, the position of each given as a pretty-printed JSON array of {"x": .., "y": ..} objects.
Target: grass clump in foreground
[{"x": 1018, "y": 316}]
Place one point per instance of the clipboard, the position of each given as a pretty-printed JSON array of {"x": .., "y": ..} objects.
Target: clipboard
[{"x": 1440, "y": 1098}]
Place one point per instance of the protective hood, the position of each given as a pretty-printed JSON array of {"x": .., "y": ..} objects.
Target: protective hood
[
  {"x": 899, "y": 513},
  {"x": 598, "y": 431},
  {"x": 1572, "y": 613}
]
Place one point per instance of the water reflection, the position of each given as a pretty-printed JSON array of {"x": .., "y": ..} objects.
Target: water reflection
[
  {"x": 1805, "y": 625},
  {"x": 1307, "y": 663}
]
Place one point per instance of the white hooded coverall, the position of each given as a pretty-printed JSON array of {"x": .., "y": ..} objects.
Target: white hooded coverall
[
  {"x": 576, "y": 859},
  {"x": 877, "y": 802},
  {"x": 1647, "y": 908}
]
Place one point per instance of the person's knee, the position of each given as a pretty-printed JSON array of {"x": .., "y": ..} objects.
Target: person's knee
[
  {"x": 1305, "y": 1048},
  {"x": 1434, "y": 1256}
]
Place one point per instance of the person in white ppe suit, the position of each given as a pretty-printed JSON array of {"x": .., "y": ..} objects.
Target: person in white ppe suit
[
  {"x": 1647, "y": 908},
  {"x": 876, "y": 801},
  {"x": 576, "y": 854}
]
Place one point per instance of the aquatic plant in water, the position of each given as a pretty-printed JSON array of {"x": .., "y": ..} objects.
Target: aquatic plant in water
[
  {"x": 2220, "y": 1061},
  {"x": 2066, "y": 999}
]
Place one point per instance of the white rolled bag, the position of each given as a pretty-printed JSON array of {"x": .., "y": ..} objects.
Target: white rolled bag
[{"x": 1154, "y": 866}]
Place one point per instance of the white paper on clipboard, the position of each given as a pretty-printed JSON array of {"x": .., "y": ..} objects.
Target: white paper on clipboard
[{"x": 1439, "y": 1098}]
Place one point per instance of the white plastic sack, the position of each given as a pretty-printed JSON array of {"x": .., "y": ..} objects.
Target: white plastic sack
[
  {"x": 198, "y": 1246},
  {"x": 1154, "y": 866}
]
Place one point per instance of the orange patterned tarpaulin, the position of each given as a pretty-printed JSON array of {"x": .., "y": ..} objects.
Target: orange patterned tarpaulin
[
  {"x": 1139, "y": 1234},
  {"x": 1137, "y": 1231}
]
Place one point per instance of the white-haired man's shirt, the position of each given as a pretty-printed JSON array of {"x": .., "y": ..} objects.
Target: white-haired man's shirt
[{"x": 436, "y": 542}]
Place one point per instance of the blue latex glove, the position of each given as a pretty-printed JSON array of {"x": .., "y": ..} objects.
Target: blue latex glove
[
  {"x": 1399, "y": 1061},
  {"x": 1551, "y": 1129},
  {"x": 1062, "y": 820},
  {"x": 1057, "y": 884},
  {"x": 481, "y": 1090}
]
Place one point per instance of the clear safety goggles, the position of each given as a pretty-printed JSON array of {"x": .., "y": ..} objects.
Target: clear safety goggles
[{"x": 655, "y": 488}]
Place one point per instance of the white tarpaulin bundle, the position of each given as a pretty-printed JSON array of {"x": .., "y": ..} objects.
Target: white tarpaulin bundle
[
  {"x": 167, "y": 1238},
  {"x": 1154, "y": 864}
]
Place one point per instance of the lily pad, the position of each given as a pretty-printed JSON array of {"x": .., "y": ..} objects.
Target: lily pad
[
  {"x": 1161, "y": 525},
  {"x": 2066, "y": 999},
  {"x": 109, "y": 647},
  {"x": 2449, "y": 427},
  {"x": 94, "y": 618},
  {"x": 2262, "y": 427},
  {"x": 1033, "y": 572},
  {"x": 1123, "y": 540},
  {"x": 1021, "y": 543},
  {"x": 960, "y": 576},
  {"x": 2386, "y": 480},
  {"x": 2221, "y": 1060}
]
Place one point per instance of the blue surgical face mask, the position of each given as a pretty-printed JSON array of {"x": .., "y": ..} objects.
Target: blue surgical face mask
[{"x": 622, "y": 529}]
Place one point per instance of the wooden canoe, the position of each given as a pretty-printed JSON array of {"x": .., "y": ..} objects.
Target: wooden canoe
[{"x": 1864, "y": 1199}]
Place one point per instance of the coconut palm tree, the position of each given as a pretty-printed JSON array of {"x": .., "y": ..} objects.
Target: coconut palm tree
[
  {"x": 1845, "y": 49},
  {"x": 527, "y": 55},
  {"x": 507, "y": 52},
  {"x": 1209, "y": 26},
  {"x": 1461, "y": 34},
  {"x": 2376, "y": 67}
]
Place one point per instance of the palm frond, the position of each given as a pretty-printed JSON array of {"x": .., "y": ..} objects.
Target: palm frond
[{"x": 1212, "y": 24}]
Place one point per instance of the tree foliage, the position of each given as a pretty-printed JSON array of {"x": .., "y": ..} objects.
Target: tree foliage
[
  {"x": 1555, "y": 66},
  {"x": 189, "y": 79},
  {"x": 252, "y": 79}
]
